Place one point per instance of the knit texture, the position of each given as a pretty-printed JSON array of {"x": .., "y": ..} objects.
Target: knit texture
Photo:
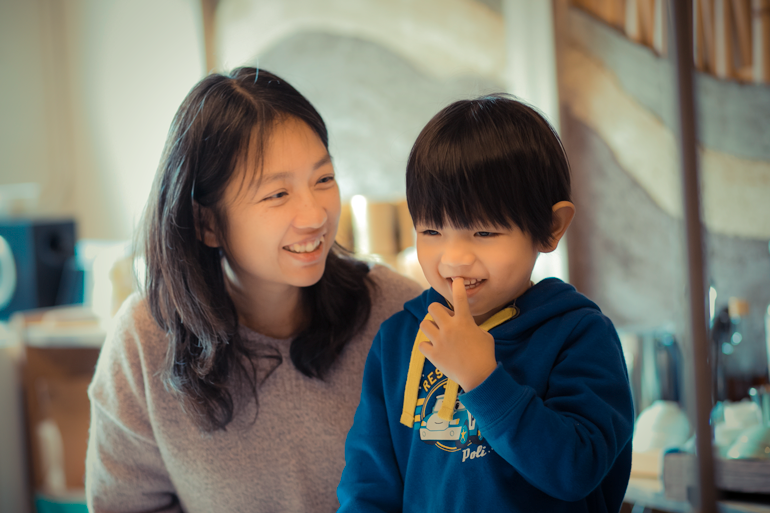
[{"x": 146, "y": 454}]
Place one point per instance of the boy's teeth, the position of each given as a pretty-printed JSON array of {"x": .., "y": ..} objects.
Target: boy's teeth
[{"x": 304, "y": 248}]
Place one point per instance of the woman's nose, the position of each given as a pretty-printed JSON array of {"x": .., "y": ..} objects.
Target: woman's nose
[{"x": 311, "y": 214}]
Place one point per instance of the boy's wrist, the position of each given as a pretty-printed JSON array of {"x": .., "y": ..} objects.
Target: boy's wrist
[{"x": 478, "y": 375}]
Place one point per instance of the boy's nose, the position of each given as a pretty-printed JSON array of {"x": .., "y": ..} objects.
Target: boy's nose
[{"x": 456, "y": 258}]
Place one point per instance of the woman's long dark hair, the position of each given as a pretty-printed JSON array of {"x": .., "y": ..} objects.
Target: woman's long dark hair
[{"x": 221, "y": 118}]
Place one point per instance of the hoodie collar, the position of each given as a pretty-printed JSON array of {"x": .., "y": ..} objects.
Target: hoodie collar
[{"x": 540, "y": 303}]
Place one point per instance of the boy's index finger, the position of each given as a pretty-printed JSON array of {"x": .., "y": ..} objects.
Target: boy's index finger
[{"x": 460, "y": 297}]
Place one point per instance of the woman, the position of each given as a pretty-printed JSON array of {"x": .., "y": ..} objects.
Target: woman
[{"x": 231, "y": 382}]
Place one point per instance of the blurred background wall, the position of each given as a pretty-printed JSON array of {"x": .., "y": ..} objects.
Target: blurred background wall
[
  {"x": 626, "y": 245},
  {"x": 90, "y": 88}
]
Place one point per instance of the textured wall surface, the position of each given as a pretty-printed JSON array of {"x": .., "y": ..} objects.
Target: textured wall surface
[
  {"x": 626, "y": 252},
  {"x": 442, "y": 37},
  {"x": 733, "y": 117},
  {"x": 373, "y": 101},
  {"x": 734, "y": 189}
]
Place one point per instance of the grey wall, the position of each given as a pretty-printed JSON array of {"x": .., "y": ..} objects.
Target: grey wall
[{"x": 373, "y": 101}]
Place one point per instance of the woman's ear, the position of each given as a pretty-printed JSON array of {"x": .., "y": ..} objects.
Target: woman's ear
[
  {"x": 204, "y": 226},
  {"x": 562, "y": 212}
]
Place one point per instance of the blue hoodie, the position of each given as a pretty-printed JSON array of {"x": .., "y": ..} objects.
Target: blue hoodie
[{"x": 548, "y": 431}]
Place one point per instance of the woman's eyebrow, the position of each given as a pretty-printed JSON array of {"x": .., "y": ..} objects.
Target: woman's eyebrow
[
  {"x": 275, "y": 177},
  {"x": 325, "y": 160}
]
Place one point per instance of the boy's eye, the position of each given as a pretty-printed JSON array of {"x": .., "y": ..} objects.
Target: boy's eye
[
  {"x": 485, "y": 234},
  {"x": 430, "y": 232}
]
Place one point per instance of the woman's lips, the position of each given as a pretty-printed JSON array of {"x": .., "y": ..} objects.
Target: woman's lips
[{"x": 310, "y": 256}]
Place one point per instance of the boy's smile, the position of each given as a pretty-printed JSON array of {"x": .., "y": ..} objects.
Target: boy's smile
[
  {"x": 471, "y": 284},
  {"x": 494, "y": 263}
]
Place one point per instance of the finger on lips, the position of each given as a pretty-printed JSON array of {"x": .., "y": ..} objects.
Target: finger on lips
[{"x": 460, "y": 296}]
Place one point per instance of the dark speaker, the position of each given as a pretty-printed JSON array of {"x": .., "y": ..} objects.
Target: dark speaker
[{"x": 33, "y": 254}]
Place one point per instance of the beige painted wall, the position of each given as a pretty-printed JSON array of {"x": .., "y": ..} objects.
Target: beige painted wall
[
  {"x": 89, "y": 90},
  {"x": 27, "y": 101}
]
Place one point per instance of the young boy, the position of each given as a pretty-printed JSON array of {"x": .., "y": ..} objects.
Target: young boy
[{"x": 489, "y": 393}]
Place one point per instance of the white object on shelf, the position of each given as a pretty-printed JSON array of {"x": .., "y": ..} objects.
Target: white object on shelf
[
  {"x": 661, "y": 425},
  {"x": 52, "y": 455}
]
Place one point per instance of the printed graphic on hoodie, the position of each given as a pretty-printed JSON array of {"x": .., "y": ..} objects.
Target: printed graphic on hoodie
[{"x": 453, "y": 436}]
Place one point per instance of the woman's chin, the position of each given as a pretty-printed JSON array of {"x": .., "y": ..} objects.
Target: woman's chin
[{"x": 308, "y": 276}]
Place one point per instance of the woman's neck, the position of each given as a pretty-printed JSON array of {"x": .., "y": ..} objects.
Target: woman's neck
[{"x": 272, "y": 309}]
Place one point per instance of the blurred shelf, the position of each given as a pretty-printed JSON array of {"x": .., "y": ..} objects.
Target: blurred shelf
[{"x": 649, "y": 494}]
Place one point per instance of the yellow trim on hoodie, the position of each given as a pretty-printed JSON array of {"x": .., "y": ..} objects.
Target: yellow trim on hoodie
[{"x": 417, "y": 361}]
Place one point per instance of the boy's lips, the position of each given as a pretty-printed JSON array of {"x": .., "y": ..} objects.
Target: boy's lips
[{"x": 471, "y": 284}]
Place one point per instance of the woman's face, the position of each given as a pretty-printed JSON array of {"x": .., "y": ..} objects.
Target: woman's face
[{"x": 282, "y": 226}]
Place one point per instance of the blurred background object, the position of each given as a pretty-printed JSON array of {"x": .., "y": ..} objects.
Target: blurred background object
[{"x": 40, "y": 252}]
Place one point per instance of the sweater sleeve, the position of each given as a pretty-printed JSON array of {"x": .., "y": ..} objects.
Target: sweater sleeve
[
  {"x": 124, "y": 467},
  {"x": 371, "y": 481},
  {"x": 566, "y": 442}
]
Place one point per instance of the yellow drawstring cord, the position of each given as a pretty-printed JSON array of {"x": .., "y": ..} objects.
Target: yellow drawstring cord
[{"x": 417, "y": 361}]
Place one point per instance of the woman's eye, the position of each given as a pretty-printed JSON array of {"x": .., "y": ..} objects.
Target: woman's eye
[
  {"x": 326, "y": 179},
  {"x": 277, "y": 195}
]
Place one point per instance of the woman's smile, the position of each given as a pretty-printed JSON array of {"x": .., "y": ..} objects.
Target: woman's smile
[{"x": 307, "y": 252}]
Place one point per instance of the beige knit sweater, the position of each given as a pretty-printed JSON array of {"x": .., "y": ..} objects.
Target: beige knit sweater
[{"x": 145, "y": 454}]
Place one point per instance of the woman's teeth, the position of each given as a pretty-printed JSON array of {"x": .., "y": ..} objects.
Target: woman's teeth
[{"x": 304, "y": 248}]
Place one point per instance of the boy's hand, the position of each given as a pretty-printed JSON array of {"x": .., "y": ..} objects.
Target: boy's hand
[{"x": 458, "y": 347}]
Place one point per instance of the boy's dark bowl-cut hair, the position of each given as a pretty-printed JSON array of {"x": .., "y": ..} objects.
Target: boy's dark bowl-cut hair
[{"x": 492, "y": 161}]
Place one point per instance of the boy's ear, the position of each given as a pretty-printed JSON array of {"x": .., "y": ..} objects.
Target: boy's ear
[
  {"x": 204, "y": 226},
  {"x": 563, "y": 212}
]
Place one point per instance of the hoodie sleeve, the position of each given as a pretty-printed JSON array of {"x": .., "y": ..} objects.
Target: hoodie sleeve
[
  {"x": 371, "y": 480},
  {"x": 566, "y": 442}
]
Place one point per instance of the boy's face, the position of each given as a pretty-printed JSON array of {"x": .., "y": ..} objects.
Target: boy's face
[{"x": 495, "y": 263}]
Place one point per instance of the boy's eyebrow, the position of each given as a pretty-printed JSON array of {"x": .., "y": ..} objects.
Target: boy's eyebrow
[{"x": 274, "y": 177}]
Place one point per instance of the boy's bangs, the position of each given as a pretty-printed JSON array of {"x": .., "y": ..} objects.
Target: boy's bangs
[
  {"x": 491, "y": 162},
  {"x": 448, "y": 196}
]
